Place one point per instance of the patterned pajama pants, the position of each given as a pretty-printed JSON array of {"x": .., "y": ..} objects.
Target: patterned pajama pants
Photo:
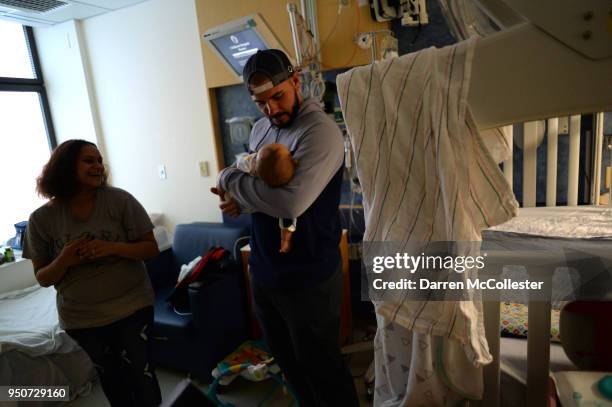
[
  {"x": 121, "y": 354},
  {"x": 412, "y": 369}
]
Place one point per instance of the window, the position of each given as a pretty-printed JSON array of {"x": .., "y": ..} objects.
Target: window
[{"x": 26, "y": 131}]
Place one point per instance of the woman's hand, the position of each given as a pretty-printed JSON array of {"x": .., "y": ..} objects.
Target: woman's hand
[
  {"x": 143, "y": 249},
  {"x": 72, "y": 252},
  {"x": 49, "y": 272},
  {"x": 96, "y": 248}
]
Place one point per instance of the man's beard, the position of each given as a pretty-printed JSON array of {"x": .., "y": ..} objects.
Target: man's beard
[{"x": 292, "y": 115}]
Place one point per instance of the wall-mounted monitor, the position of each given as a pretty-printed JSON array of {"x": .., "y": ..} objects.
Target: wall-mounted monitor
[{"x": 234, "y": 42}]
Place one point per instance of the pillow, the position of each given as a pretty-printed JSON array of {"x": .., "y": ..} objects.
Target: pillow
[{"x": 513, "y": 321}]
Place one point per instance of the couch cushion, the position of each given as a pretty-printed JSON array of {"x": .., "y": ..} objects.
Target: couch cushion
[
  {"x": 168, "y": 323},
  {"x": 195, "y": 239},
  {"x": 162, "y": 271}
]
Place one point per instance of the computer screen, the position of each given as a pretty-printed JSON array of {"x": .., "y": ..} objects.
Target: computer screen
[{"x": 236, "y": 41}]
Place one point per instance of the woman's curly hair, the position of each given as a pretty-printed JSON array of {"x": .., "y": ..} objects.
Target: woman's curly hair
[{"x": 58, "y": 179}]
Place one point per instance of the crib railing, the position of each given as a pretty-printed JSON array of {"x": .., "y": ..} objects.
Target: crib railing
[
  {"x": 538, "y": 345},
  {"x": 530, "y": 146}
]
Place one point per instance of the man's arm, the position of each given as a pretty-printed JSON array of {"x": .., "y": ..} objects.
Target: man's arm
[
  {"x": 319, "y": 156},
  {"x": 246, "y": 164}
]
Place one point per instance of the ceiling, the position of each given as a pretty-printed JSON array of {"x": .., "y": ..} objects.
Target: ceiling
[{"x": 49, "y": 12}]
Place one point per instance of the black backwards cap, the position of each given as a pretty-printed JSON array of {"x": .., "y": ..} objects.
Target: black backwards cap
[{"x": 272, "y": 63}]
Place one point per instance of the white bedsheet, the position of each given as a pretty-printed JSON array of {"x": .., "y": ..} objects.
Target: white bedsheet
[
  {"x": 580, "y": 235},
  {"x": 73, "y": 369},
  {"x": 584, "y": 234},
  {"x": 29, "y": 323},
  {"x": 575, "y": 222}
]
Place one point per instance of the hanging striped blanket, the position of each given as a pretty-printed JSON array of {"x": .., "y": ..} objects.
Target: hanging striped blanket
[{"x": 426, "y": 174}]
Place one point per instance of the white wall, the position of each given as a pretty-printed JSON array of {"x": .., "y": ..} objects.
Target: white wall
[
  {"x": 63, "y": 69},
  {"x": 150, "y": 99}
]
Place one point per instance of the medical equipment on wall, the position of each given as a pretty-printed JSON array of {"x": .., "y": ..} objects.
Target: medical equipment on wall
[
  {"x": 608, "y": 169},
  {"x": 465, "y": 19},
  {"x": 240, "y": 129},
  {"x": 349, "y": 164},
  {"x": 412, "y": 12},
  {"x": 236, "y": 41},
  {"x": 388, "y": 44},
  {"x": 307, "y": 55}
]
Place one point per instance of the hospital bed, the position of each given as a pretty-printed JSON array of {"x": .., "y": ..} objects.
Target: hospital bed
[
  {"x": 34, "y": 351},
  {"x": 579, "y": 237},
  {"x": 552, "y": 59}
]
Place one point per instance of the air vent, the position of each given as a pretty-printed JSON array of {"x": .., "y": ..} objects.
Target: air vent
[{"x": 36, "y": 6}]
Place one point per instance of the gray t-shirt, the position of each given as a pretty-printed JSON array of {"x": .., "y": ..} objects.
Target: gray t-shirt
[{"x": 104, "y": 290}]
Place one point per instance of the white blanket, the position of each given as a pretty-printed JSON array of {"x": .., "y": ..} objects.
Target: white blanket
[{"x": 29, "y": 323}]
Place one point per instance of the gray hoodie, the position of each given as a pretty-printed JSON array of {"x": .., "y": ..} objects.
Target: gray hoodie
[{"x": 315, "y": 142}]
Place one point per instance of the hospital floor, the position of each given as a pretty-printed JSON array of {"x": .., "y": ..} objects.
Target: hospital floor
[{"x": 241, "y": 393}]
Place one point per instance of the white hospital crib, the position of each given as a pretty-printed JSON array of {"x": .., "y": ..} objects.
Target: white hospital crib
[{"x": 539, "y": 316}]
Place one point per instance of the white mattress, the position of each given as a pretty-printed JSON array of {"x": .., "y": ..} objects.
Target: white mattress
[
  {"x": 29, "y": 323},
  {"x": 34, "y": 351},
  {"x": 73, "y": 369},
  {"x": 574, "y": 222},
  {"x": 577, "y": 241}
]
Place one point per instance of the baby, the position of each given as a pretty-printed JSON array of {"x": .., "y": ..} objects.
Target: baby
[{"x": 275, "y": 166}]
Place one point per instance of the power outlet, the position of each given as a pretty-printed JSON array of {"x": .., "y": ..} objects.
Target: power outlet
[{"x": 204, "y": 172}]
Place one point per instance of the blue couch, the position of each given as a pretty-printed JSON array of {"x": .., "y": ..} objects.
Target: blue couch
[{"x": 196, "y": 342}]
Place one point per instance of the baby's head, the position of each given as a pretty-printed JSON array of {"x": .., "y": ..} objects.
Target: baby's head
[{"x": 275, "y": 165}]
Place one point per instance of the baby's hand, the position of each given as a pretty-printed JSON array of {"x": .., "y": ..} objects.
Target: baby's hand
[{"x": 285, "y": 241}]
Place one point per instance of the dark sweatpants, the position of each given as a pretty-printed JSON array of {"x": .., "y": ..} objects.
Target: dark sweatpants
[
  {"x": 302, "y": 327},
  {"x": 121, "y": 354}
]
